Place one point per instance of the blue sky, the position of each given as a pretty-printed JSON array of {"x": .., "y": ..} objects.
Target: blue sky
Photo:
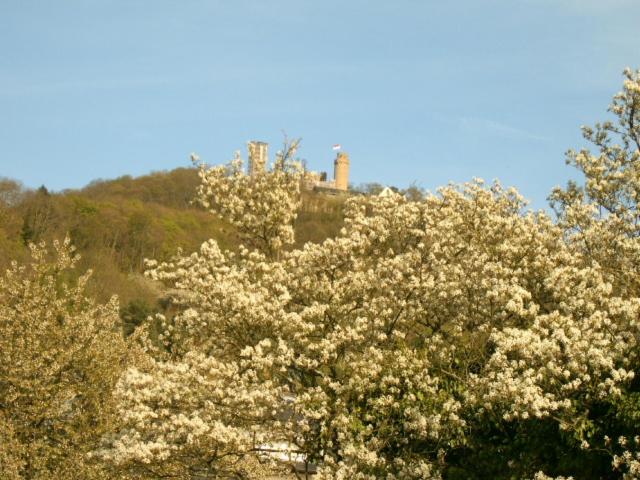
[{"x": 415, "y": 91}]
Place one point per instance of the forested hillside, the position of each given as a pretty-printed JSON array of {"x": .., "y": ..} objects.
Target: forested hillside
[{"x": 116, "y": 224}]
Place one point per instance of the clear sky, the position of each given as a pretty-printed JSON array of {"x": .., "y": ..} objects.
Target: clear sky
[{"x": 415, "y": 90}]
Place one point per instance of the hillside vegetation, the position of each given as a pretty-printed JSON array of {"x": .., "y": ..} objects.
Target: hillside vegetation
[{"x": 116, "y": 224}]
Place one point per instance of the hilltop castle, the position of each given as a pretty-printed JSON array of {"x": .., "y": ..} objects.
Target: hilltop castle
[{"x": 258, "y": 160}]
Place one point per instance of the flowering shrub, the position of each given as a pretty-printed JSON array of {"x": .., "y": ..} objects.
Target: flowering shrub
[{"x": 457, "y": 336}]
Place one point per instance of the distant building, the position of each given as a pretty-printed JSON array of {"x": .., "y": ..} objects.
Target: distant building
[
  {"x": 387, "y": 192},
  {"x": 258, "y": 157},
  {"x": 340, "y": 182},
  {"x": 341, "y": 171}
]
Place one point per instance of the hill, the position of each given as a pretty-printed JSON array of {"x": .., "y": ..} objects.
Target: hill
[{"x": 116, "y": 224}]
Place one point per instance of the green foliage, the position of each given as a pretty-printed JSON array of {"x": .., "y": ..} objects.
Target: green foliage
[
  {"x": 134, "y": 314},
  {"x": 372, "y": 188},
  {"x": 515, "y": 450},
  {"x": 321, "y": 217}
]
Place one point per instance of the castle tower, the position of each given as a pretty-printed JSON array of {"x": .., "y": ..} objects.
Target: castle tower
[
  {"x": 341, "y": 171},
  {"x": 258, "y": 157}
]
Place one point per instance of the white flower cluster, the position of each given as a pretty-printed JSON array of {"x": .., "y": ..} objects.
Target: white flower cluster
[
  {"x": 262, "y": 206},
  {"x": 582, "y": 347},
  {"x": 198, "y": 408},
  {"x": 629, "y": 460}
]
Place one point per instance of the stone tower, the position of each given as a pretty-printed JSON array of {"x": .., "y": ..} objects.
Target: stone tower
[
  {"x": 258, "y": 157},
  {"x": 341, "y": 171}
]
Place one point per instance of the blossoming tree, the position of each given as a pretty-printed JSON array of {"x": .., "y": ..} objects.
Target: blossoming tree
[
  {"x": 458, "y": 335},
  {"x": 60, "y": 357},
  {"x": 262, "y": 206}
]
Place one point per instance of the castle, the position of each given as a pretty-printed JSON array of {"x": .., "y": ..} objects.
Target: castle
[{"x": 258, "y": 159}]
